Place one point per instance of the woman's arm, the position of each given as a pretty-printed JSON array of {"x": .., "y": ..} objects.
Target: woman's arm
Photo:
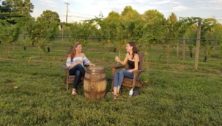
[
  {"x": 68, "y": 62},
  {"x": 86, "y": 61},
  {"x": 122, "y": 62}
]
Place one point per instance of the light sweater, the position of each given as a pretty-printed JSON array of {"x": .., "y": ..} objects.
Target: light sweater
[{"x": 82, "y": 59}]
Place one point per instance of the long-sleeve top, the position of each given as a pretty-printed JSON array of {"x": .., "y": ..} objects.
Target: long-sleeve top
[{"x": 82, "y": 59}]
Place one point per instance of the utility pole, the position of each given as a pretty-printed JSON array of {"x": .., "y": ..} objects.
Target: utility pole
[
  {"x": 63, "y": 24},
  {"x": 67, "y": 9}
]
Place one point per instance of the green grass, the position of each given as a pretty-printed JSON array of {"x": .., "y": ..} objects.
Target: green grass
[{"x": 32, "y": 91}]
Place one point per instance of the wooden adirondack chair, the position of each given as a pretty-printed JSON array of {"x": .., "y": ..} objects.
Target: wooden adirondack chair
[
  {"x": 69, "y": 78},
  {"x": 136, "y": 81}
]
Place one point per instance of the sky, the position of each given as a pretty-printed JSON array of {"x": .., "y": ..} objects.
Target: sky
[{"x": 86, "y": 9}]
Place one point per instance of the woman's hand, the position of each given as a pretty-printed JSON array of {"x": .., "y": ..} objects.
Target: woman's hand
[
  {"x": 117, "y": 59},
  {"x": 131, "y": 70},
  {"x": 72, "y": 65},
  {"x": 91, "y": 64}
]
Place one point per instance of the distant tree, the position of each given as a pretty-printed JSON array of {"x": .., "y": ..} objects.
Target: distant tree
[
  {"x": 203, "y": 25},
  {"x": 45, "y": 28},
  {"x": 48, "y": 23},
  {"x": 83, "y": 31},
  {"x": 217, "y": 32},
  {"x": 130, "y": 21},
  {"x": 111, "y": 26},
  {"x": 170, "y": 33},
  {"x": 188, "y": 33},
  {"x": 189, "y": 37},
  {"x": 207, "y": 36},
  {"x": 13, "y": 15},
  {"x": 154, "y": 27}
]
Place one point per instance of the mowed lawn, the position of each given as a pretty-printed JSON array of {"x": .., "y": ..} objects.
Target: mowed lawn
[{"x": 32, "y": 90}]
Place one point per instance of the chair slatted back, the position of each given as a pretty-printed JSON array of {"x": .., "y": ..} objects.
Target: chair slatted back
[{"x": 141, "y": 60}]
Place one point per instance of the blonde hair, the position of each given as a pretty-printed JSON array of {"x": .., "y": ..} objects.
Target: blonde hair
[{"x": 73, "y": 50}]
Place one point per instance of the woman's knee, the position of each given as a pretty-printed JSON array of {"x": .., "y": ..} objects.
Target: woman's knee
[
  {"x": 78, "y": 66},
  {"x": 128, "y": 74},
  {"x": 77, "y": 73},
  {"x": 121, "y": 73},
  {"x": 116, "y": 73}
]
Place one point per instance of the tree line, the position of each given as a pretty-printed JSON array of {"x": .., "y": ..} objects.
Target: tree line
[{"x": 148, "y": 28}]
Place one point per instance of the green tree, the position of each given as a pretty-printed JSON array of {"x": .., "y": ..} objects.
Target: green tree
[
  {"x": 13, "y": 15},
  {"x": 189, "y": 37},
  {"x": 111, "y": 26},
  {"x": 44, "y": 29},
  {"x": 207, "y": 36},
  {"x": 185, "y": 31},
  {"x": 130, "y": 20},
  {"x": 83, "y": 31},
  {"x": 154, "y": 27},
  {"x": 48, "y": 23},
  {"x": 170, "y": 33},
  {"x": 217, "y": 32}
]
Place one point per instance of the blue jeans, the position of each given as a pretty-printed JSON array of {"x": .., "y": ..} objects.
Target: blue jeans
[
  {"x": 79, "y": 72},
  {"x": 119, "y": 76}
]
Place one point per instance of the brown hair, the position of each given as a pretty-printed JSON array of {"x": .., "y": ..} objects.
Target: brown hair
[
  {"x": 135, "y": 50},
  {"x": 73, "y": 50}
]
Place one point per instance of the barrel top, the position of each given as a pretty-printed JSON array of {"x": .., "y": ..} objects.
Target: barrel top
[{"x": 95, "y": 69}]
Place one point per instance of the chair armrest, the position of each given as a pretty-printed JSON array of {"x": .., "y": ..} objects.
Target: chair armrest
[
  {"x": 86, "y": 65},
  {"x": 138, "y": 71},
  {"x": 118, "y": 66},
  {"x": 64, "y": 66},
  {"x": 136, "y": 76},
  {"x": 66, "y": 70}
]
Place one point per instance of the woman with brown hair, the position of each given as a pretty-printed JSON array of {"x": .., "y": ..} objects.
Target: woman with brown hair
[
  {"x": 132, "y": 60},
  {"x": 76, "y": 61}
]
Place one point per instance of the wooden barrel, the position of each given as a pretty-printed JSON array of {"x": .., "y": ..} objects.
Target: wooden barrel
[{"x": 95, "y": 83}]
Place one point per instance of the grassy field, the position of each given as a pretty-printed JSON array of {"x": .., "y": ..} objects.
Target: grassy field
[{"x": 32, "y": 90}]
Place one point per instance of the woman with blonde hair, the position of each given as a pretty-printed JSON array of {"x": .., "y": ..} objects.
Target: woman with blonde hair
[{"x": 75, "y": 62}]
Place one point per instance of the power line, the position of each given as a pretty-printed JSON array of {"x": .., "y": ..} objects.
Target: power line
[
  {"x": 80, "y": 13},
  {"x": 77, "y": 16}
]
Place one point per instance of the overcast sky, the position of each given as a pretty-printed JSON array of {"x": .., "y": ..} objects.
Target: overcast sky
[{"x": 86, "y": 9}]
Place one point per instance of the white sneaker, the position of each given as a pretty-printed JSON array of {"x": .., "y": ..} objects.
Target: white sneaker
[{"x": 131, "y": 92}]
